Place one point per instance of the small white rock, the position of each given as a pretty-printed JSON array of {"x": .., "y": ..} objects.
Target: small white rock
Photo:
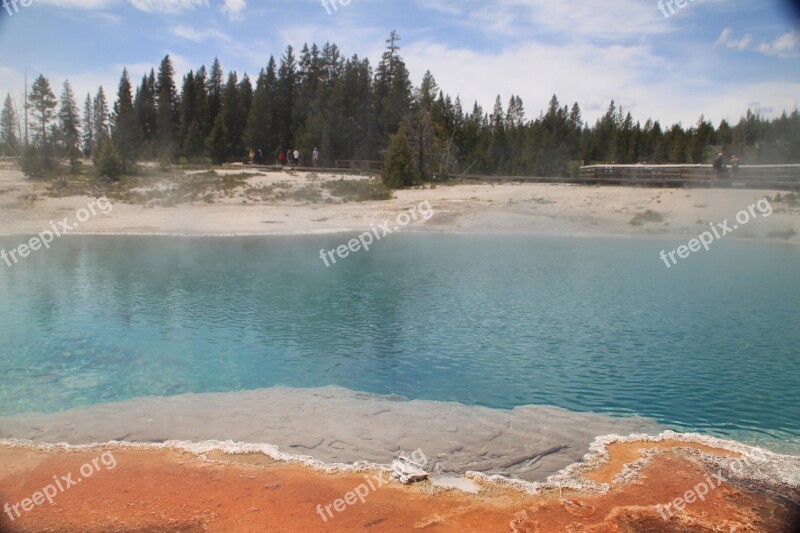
[{"x": 408, "y": 471}]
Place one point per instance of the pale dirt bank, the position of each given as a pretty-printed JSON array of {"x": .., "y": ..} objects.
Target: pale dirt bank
[{"x": 547, "y": 209}]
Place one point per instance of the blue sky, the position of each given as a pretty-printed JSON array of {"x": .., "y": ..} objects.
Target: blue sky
[{"x": 716, "y": 57}]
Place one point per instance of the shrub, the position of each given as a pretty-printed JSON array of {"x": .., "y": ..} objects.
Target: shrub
[
  {"x": 37, "y": 163},
  {"x": 358, "y": 190},
  {"x": 399, "y": 170},
  {"x": 108, "y": 161}
]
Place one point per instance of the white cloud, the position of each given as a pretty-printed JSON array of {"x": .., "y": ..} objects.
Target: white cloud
[
  {"x": 167, "y": 6},
  {"x": 608, "y": 19},
  {"x": 725, "y": 39},
  {"x": 148, "y": 6},
  {"x": 198, "y": 36},
  {"x": 233, "y": 9},
  {"x": 785, "y": 46},
  {"x": 81, "y": 4},
  {"x": 591, "y": 75}
]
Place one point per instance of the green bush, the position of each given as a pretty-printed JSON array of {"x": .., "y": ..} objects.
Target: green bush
[
  {"x": 399, "y": 170},
  {"x": 108, "y": 162},
  {"x": 37, "y": 163},
  {"x": 358, "y": 190}
]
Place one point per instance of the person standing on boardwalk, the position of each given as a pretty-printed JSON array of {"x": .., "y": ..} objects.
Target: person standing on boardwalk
[
  {"x": 719, "y": 166},
  {"x": 296, "y": 157},
  {"x": 289, "y": 157},
  {"x": 315, "y": 158},
  {"x": 735, "y": 162}
]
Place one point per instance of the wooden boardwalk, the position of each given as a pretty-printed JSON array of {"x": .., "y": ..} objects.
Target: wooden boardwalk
[
  {"x": 780, "y": 177},
  {"x": 748, "y": 177}
]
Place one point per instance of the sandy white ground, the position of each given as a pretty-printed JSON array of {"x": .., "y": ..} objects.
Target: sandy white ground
[{"x": 474, "y": 208}]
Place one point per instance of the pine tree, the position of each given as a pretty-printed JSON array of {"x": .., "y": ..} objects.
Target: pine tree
[
  {"x": 392, "y": 92},
  {"x": 101, "y": 121},
  {"x": 125, "y": 132},
  {"x": 217, "y": 142},
  {"x": 88, "y": 137},
  {"x": 108, "y": 162},
  {"x": 287, "y": 92},
  {"x": 194, "y": 114},
  {"x": 214, "y": 91},
  {"x": 232, "y": 119},
  {"x": 399, "y": 170},
  {"x": 274, "y": 141},
  {"x": 69, "y": 122},
  {"x": 69, "y": 126},
  {"x": 8, "y": 127},
  {"x": 427, "y": 91},
  {"x": 167, "y": 111},
  {"x": 42, "y": 102},
  {"x": 515, "y": 116},
  {"x": 145, "y": 105},
  {"x": 188, "y": 121},
  {"x": 259, "y": 122},
  {"x": 245, "y": 103}
]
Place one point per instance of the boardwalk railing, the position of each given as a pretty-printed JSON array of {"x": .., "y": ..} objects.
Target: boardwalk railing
[
  {"x": 747, "y": 176},
  {"x": 357, "y": 164}
]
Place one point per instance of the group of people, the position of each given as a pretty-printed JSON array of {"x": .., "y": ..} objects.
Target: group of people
[
  {"x": 256, "y": 157},
  {"x": 292, "y": 157},
  {"x": 721, "y": 167}
]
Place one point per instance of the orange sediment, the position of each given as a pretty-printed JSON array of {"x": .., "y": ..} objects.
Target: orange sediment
[{"x": 171, "y": 490}]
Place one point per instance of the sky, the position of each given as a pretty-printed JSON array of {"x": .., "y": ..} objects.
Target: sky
[{"x": 662, "y": 60}]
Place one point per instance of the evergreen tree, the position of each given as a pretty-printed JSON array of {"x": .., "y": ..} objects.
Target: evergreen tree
[
  {"x": 392, "y": 91},
  {"x": 677, "y": 139},
  {"x": 125, "y": 133},
  {"x": 194, "y": 116},
  {"x": 272, "y": 91},
  {"x": 69, "y": 122},
  {"x": 192, "y": 123},
  {"x": 427, "y": 91},
  {"x": 245, "y": 103},
  {"x": 515, "y": 116},
  {"x": 108, "y": 161},
  {"x": 232, "y": 119},
  {"x": 287, "y": 88},
  {"x": 214, "y": 91},
  {"x": 101, "y": 119},
  {"x": 497, "y": 142},
  {"x": 350, "y": 116},
  {"x": 399, "y": 169},
  {"x": 217, "y": 142},
  {"x": 8, "y": 127},
  {"x": 166, "y": 111},
  {"x": 259, "y": 122},
  {"x": 88, "y": 137},
  {"x": 42, "y": 103},
  {"x": 419, "y": 128},
  {"x": 145, "y": 106},
  {"x": 69, "y": 126}
]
